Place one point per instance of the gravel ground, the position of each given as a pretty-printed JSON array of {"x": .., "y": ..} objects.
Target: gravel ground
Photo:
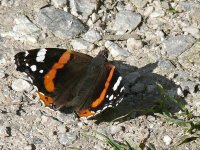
[{"x": 150, "y": 41}]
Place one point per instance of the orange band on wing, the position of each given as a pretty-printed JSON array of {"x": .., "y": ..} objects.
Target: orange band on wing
[
  {"x": 99, "y": 100},
  {"x": 86, "y": 113},
  {"x": 50, "y": 76},
  {"x": 48, "y": 101}
]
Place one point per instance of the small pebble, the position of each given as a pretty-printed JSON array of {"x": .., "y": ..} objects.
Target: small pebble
[
  {"x": 167, "y": 140},
  {"x": 115, "y": 50},
  {"x": 59, "y": 3},
  {"x": 3, "y": 131},
  {"x": 133, "y": 44},
  {"x": 92, "y": 36},
  {"x": 20, "y": 85},
  {"x": 157, "y": 13},
  {"x": 80, "y": 44},
  {"x": 61, "y": 128},
  {"x": 67, "y": 138},
  {"x": 115, "y": 129},
  {"x": 189, "y": 86},
  {"x": 2, "y": 74}
]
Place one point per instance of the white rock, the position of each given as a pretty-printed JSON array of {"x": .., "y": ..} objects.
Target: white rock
[
  {"x": 61, "y": 129},
  {"x": 2, "y": 74},
  {"x": 80, "y": 44},
  {"x": 148, "y": 11},
  {"x": 115, "y": 50},
  {"x": 7, "y": 3},
  {"x": 139, "y": 3},
  {"x": 167, "y": 140},
  {"x": 160, "y": 34},
  {"x": 3, "y": 132},
  {"x": 2, "y": 59},
  {"x": 83, "y": 8},
  {"x": 59, "y": 3},
  {"x": 24, "y": 30},
  {"x": 180, "y": 92},
  {"x": 66, "y": 138},
  {"x": 20, "y": 85},
  {"x": 92, "y": 36},
  {"x": 193, "y": 31},
  {"x": 157, "y": 13},
  {"x": 133, "y": 44}
]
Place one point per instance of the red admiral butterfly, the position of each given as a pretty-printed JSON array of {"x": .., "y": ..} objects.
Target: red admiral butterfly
[{"x": 65, "y": 78}]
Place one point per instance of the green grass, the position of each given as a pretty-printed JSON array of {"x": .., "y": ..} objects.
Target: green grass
[
  {"x": 117, "y": 145},
  {"x": 191, "y": 128}
]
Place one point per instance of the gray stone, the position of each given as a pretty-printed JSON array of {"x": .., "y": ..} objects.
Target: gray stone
[
  {"x": 138, "y": 88},
  {"x": 133, "y": 44},
  {"x": 188, "y": 6},
  {"x": 126, "y": 21},
  {"x": 80, "y": 44},
  {"x": 60, "y": 23},
  {"x": 24, "y": 30},
  {"x": 139, "y": 3},
  {"x": 175, "y": 46},
  {"x": 67, "y": 138},
  {"x": 36, "y": 140},
  {"x": 20, "y": 85},
  {"x": 83, "y": 8},
  {"x": 132, "y": 77},
  {"x": 189, "y": 86},
  {"x": 59, "y": 3},
  {"x": 191, "y": 58},
  {"x": 165, "y": 64},
  {"x": 115, "y": 50},
  {"x": 92, "y": 36}
]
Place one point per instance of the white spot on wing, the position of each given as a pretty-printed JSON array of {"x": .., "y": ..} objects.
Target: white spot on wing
[
  {"x": 111, "y": 97},
  {"x": 117, "y": 83},
  {"x": 41, "y": 55},
  {"x": 107, "y": 96},
  {"x": 121, "y": 89},
  {"x": 41, "y": 71},
  {"x": 33, "y": 68},
  {"x": 26, "y": 53},
  {"x": 27, "y": 64}
]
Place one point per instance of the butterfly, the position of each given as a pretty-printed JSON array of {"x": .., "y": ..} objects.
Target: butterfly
[{"x": 69, "y": 79}]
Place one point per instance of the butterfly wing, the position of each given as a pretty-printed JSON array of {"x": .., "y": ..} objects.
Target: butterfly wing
[{"x": 50, "y": 68}]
